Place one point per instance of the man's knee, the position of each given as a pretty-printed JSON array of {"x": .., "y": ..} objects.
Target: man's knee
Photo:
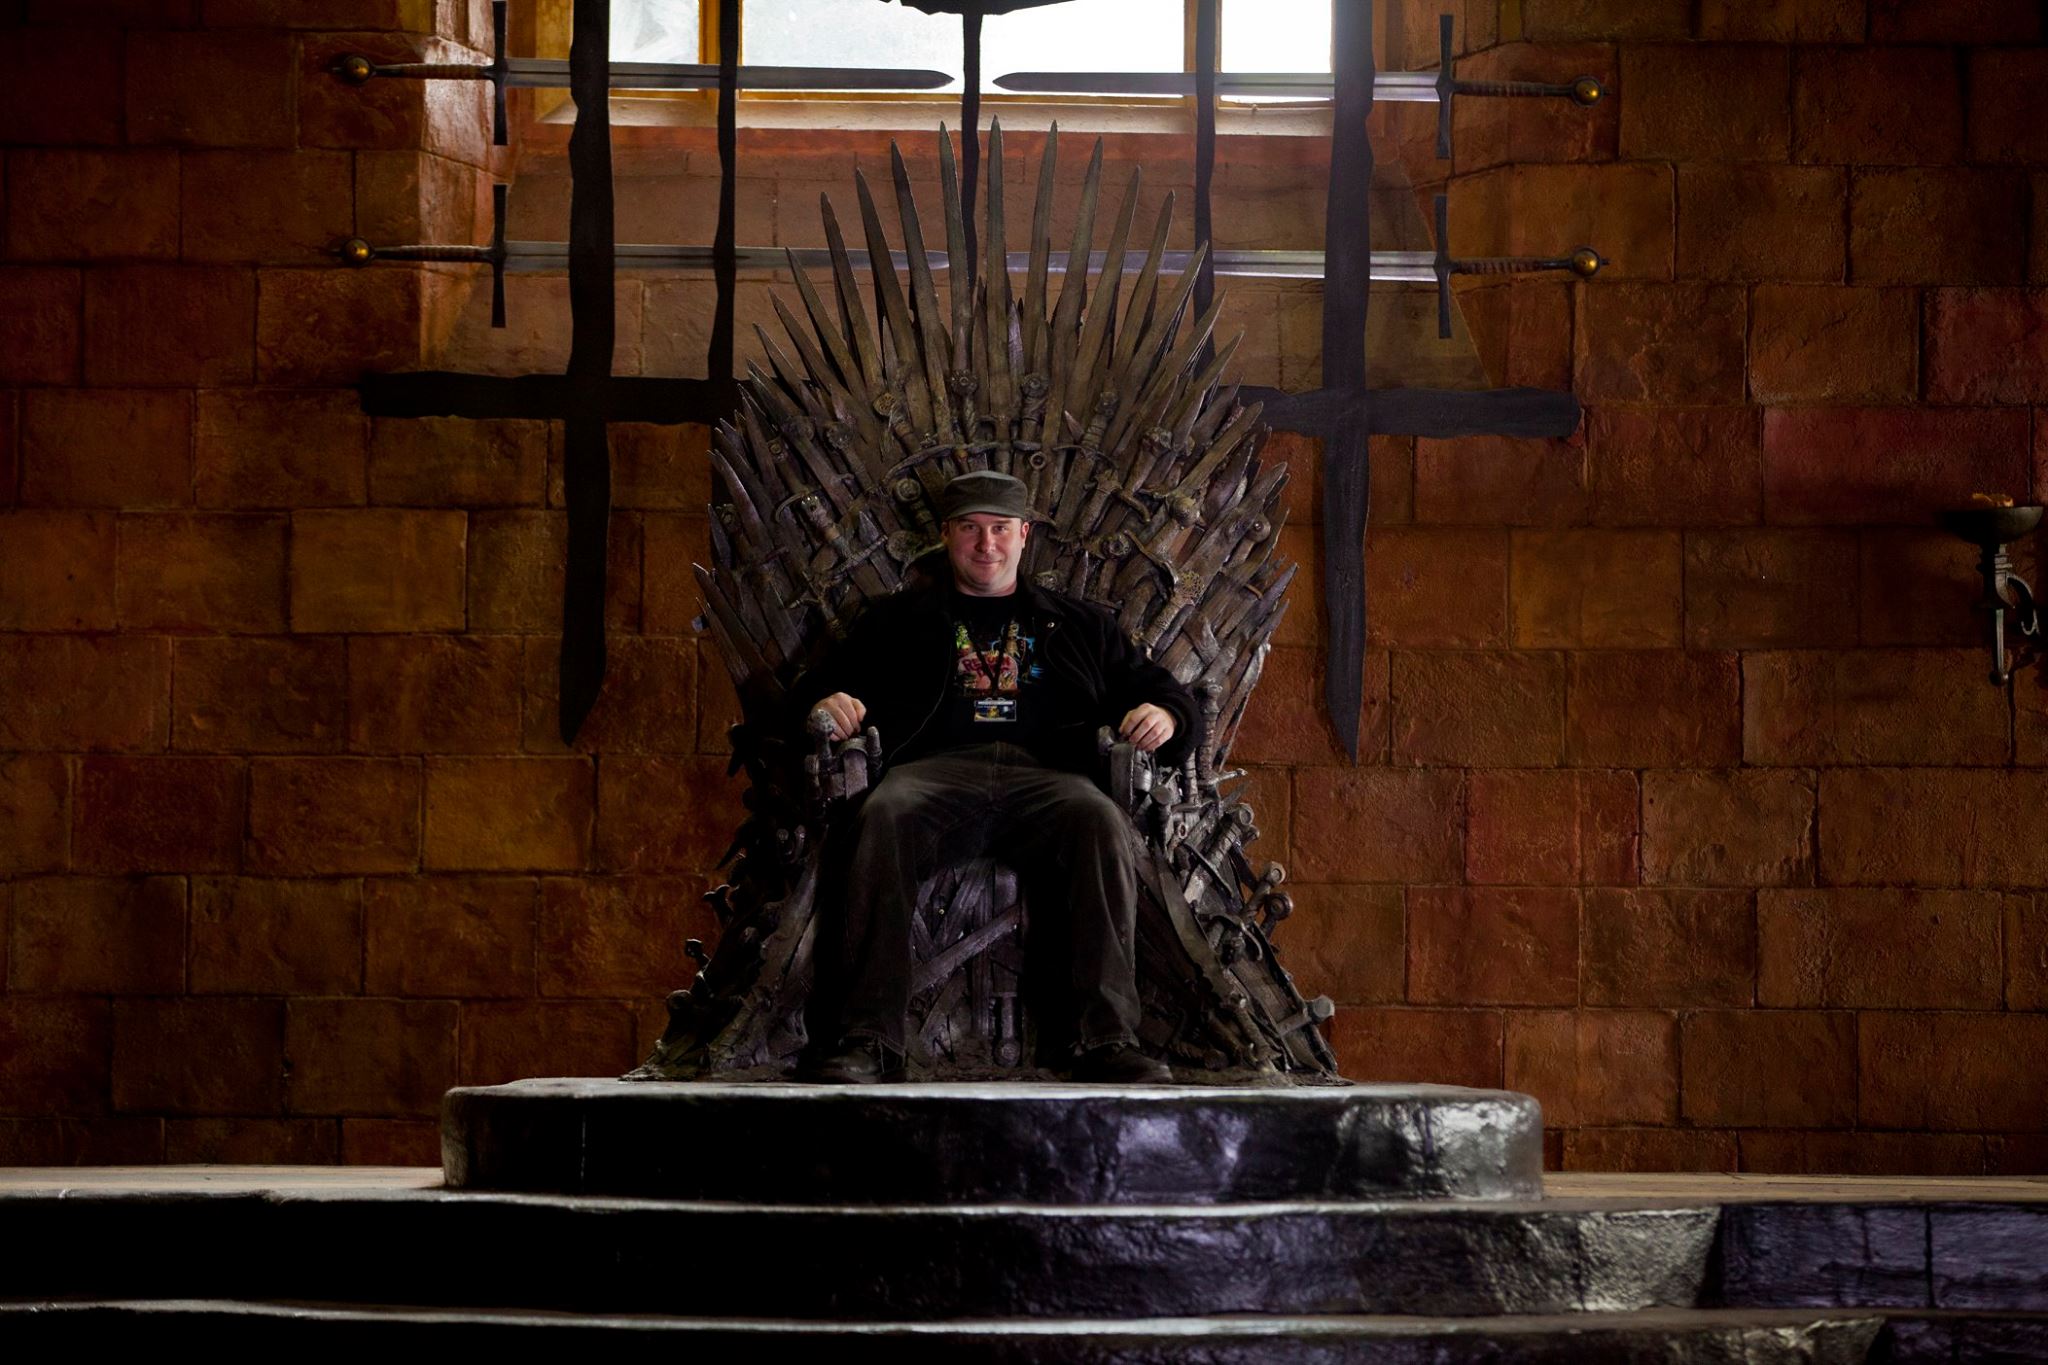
[{"x": 1085, "y": 810}]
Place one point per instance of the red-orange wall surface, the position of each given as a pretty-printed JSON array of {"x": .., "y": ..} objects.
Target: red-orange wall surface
[{"x": 1684, "y": 802}]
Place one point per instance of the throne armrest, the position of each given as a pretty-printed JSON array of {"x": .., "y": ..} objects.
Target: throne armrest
[{"x": 839, "y": 769}]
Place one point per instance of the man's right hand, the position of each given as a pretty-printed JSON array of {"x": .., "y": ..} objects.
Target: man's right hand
[{"x": 847, "y": 713}]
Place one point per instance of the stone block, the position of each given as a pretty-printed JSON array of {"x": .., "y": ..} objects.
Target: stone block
[
  {"x": 1649, "y": 1149},
  {"x": 415, "y": 197},
  {"x": 332, "y": 325},
  {"x": 1377, "y": 825},
  {"x": 1937, "y": 225},
  {"x": 40, "y": 322},
  {"x": 1888, "y": 465},
  {"x": 1661, "y": 344},
  {"x": 127, "y": 448},
  {"x": 509, "y": 814},
  {"x": 56, "y": 571},
  {"x": 1705, "y": 102},
  {"x": 1952, "y": 1071},
  {"x": 469, "y": 937},
  {"x": 1780, "y": 1152},
  {"x": 1485, "y": 134},
  {"x": 1605, "y": 20},
  {"x": 211, "y": 89},
  {"x": 413, "y": 16},
  {"x": 1742, "y": 827},
  {"x": 170, "y": 324},
  {"x": 1762, "y": 223},
  {"x": 718, "y": 706},
  {"x": 377, "y": 569},
  {"x": 202, "y": 1056},
  {"x": 1553, "y": 827},
  {"x": 1668, "y": 949},
  {"x": 252, "y": 1142},
  {"x": 618, "y": 937},
  {"x": 674, "y": 542},
  {"x": 98, "y": 936},
  {"x": 1347, "y": 942},
  {"x": 333, "y": 816},
  {"x": 1987, "y": 345},
  {"x": 10, "y": 448},
  {"x": 70, "y": 692},
  {"x": 60, "y": 85},
  {"x": 516, "y": 562},
  {"x": 2026, "y": 953},
  {"x": 1899, "y": 826},
  {"x": 1829, "y": 343},
  {"x": 1841, "y": 948},
  {"x": 1756, "y": 589},
  {"x": 1768, "y": 1068},
  {"x": 665, "y": 814},
  {"x": 1595, "y": 1066},
  {"x": 508, "y": 1040},
  {"x": 1782, "y": 21},
  {"x": 658, "y": 466},
  {"x": 35, "y": 813},
  {"x": 1917, "y": 588},
  {"x": 1871, "y": 706},
  {"x": 53, "y": 1055},
  {"x": 280, "y": 448},
  {"x": 434, "y": 694},
  {"x": 458, "y": 462},
  {"x": 261, "y": 937},
  {"x": 2002, "y": 83},
  {"x": 536, "y": 337},
  {"x": 1675, "y": 466},
  {"x": 390, "y": 1142},
  {"x": 1287, "y": 719},
  {"x": 1954, "y": 21},
  {"x": 647, "y": 705},
  {"x": 1523, "y": 331},
  {"x": 76, "y": 203},
  {"x": 158, "y": 814},
  {"x": 1437, "y": 1046},
  {"x": 1872, "y": 105},
  {"x": 259, "y": 696},
  {"x": 1593, "y": 589},
  {"x": 1500, "y": 480},
  {"x": 262, "y": 207},
  {"x": 1468, "y": 708},
  {"x": 1653, "y": 708},
  {"x": 1437, "y": 588},
  {"x": 1493, "y": 945},
  {"x": 201, "y": 571},
  {"x": 369, "y": 1057}
]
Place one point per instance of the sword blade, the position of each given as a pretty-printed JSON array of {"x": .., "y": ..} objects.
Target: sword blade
[
  {"x": 549, "y": 74},
  {"x": 1417, "y": 267},
  {"x": 1412, "y": 87}
]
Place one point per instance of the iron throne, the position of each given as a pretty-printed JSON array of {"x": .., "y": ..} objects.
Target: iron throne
[{"x": 1145, "y": 469}]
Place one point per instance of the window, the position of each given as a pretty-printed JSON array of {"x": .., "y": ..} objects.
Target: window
[{"x": 1077, "y": 35}]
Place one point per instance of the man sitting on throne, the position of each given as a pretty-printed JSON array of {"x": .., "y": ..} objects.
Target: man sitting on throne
[{"x": 988, "y": 694}]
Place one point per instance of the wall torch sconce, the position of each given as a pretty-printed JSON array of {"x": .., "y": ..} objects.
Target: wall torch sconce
[{"x": 1991, "y": 529}]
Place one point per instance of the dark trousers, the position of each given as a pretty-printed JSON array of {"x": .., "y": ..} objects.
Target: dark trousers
[{"x": 1070, "y": 843}]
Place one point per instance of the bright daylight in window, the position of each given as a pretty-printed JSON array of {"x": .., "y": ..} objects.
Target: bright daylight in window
[{"x": 1079, "y": 35}]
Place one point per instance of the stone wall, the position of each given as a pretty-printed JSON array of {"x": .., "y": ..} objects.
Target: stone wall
[{"x": 1684, "y": 804}]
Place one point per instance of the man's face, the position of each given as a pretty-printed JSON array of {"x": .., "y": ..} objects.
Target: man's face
[{"x": 985, "y": 550}]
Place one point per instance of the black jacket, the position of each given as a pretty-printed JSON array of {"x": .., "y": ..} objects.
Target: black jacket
[{"x": 898, "y": 659}]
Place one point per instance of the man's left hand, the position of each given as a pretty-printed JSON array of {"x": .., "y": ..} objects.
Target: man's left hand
[{"x": 1147, "y": 727}]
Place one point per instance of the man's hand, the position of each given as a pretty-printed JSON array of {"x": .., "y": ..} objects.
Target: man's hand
[
  {"x": 847, "y": 713},
  {"x": 1146, "y": 727}
]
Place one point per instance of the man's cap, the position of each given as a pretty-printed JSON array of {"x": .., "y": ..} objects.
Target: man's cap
[{"x": 985, "y": 490}]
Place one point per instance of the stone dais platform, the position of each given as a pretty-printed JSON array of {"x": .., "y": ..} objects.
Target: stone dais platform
[{"x": 963, "y": 1143}]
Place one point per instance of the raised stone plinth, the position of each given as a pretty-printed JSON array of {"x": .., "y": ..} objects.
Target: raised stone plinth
[{"x": 990, "y": 1142}]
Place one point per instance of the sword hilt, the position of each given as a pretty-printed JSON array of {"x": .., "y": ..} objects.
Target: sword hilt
[
  {"x": 358, "y": 251},
  {"x": 1584, "y": 262},
  {"x": 356, "y": 69},
  {"x": 1586, "y": 91}
]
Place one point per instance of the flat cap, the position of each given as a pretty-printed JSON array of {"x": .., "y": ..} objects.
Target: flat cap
[{"x": 985, "y": 490}]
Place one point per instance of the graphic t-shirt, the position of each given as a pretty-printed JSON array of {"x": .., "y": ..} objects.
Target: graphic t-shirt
[{"x": 994, "y": 692}]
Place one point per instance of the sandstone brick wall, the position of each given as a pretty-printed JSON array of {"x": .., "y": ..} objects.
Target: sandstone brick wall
[{"x": 1684, "y": 803}]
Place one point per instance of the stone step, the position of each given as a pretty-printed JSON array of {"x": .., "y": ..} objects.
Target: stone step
[
  {"x": 981, "y": 1142},
  {"x": 588, "y": 1254},
  {"x": 1665, "y": 1337}
]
